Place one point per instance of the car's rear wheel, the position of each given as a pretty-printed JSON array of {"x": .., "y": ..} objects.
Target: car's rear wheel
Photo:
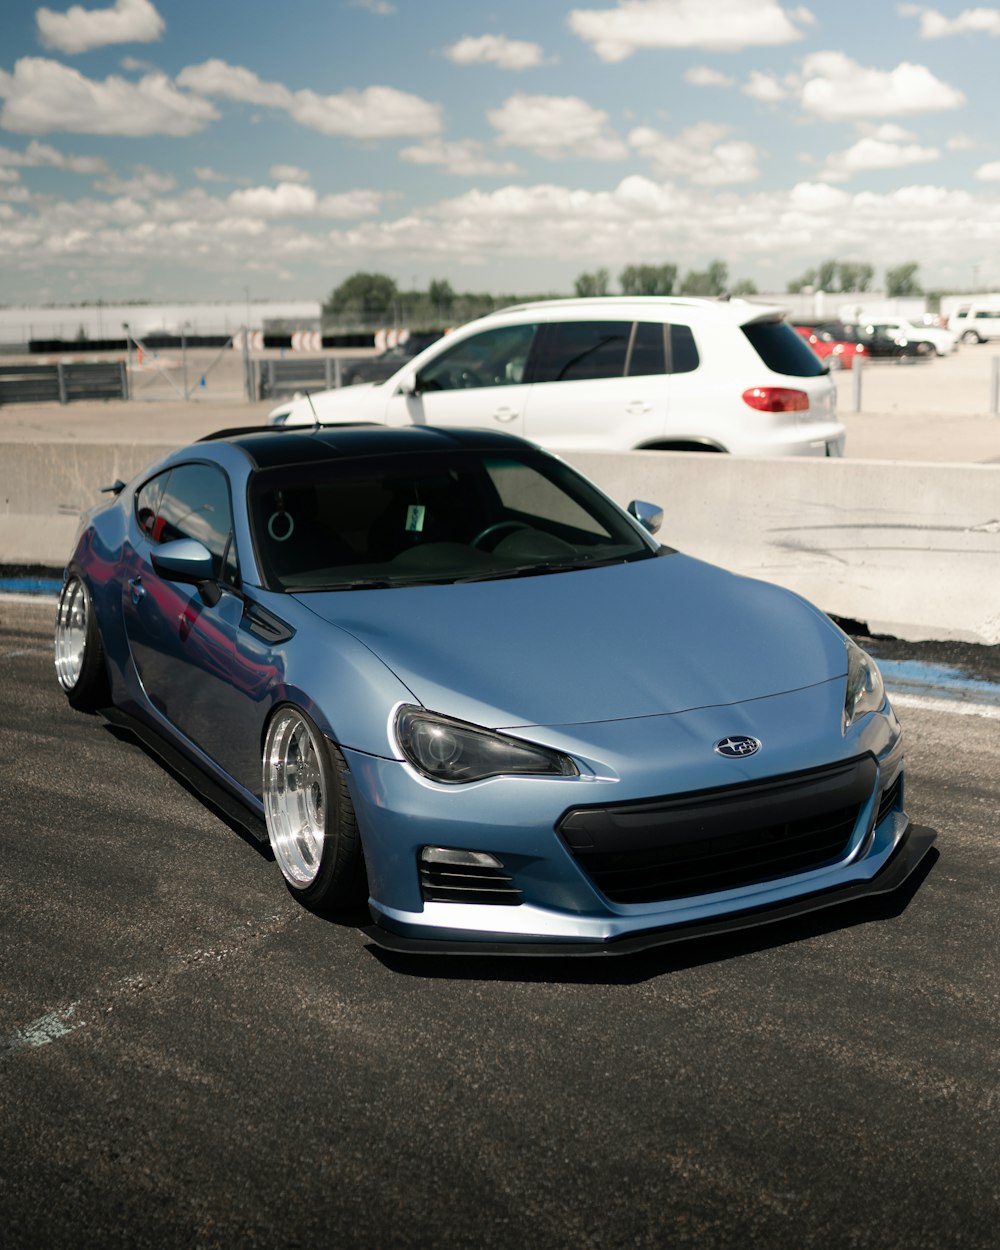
[
  {"x": 309, "y": 814},
  {"x": 970, "y": 336},
  {"x": 79, "y": 654}
]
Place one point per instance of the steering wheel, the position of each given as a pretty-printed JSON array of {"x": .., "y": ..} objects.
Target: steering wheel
[{"x": 498, "y": 527}]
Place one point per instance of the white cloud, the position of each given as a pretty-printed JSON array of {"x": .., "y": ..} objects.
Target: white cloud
[
  {"x": 36, "y": 154},
  {"x": 767, "y": 234},
  {"x": 961, "y": 143},
  {"x": 495, "y": 50},
  {"x": 289, "y": 173},
  {"x": 465, "y": 158},
  {"x": 871, "y": 153},
  {"x": 206, "y": 174},
  {"x": 374, "y": 113},
  {"x": 233, "y": 82},
  {"x": 556, "y": 126},
  {"x": 146, "y": 183},
  {"x": 705, "y": 76},
  {"x": 291, "y": 199},
  {"x": 764, "y": 87},
  {"x": 934, "y": 25},
  {"x": 837, "y": 88},
  {"x": 722, "y": 26},
  {"x": 989, "y": 172},
  {"x": 702, "y": 154},
  {"x": 80, "y": 29},
  {"x": 287, "y": 199},
  {"x": 43, "y": 95}
]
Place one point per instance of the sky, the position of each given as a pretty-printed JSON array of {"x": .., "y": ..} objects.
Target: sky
[{"x": 167, "y": 149}]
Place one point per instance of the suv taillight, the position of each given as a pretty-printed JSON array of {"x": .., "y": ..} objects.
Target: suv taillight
[{"x": 776, "y": 399}]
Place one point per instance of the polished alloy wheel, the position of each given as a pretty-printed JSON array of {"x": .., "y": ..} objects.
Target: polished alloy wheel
[
  {"x": 295, "y": 800},
  {"x": 71, "y": 633}
]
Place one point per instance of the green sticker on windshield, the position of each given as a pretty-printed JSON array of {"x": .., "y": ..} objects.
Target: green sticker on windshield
[{"x": 415, "y": 518}]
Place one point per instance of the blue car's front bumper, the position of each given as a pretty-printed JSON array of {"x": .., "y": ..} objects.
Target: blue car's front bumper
[{"x": 597, "y": 864}]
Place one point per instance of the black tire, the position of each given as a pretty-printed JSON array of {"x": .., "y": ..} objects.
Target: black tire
[
  {"x": 81, "y": 669},
  {"x": 309, "y": 814}
]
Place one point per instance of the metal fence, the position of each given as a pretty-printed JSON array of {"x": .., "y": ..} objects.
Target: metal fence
[{"x": 63, "y": 382}]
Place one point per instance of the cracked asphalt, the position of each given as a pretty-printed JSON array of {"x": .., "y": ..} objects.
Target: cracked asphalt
[{"x": 189, "y": 1059}]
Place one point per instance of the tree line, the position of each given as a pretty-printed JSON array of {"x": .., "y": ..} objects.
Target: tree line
[{"x": 368, "y": 299}]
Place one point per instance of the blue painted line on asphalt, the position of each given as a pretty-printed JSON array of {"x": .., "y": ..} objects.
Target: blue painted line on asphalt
[
  {"x": 29, "y": 586},
  {"x": 938, "y": 682}
]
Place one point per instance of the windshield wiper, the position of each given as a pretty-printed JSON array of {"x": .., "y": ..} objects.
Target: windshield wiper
[{"x": 544, "y": 566}]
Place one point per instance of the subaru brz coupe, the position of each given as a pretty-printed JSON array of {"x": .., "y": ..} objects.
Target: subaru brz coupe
[{"x": 443, "y": 672}]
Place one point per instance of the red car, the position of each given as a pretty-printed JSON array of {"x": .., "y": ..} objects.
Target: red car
[{"x": 833, "y": 342}]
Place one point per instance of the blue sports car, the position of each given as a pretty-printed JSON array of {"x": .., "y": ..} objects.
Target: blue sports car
[{"x": 441, "y": 671}]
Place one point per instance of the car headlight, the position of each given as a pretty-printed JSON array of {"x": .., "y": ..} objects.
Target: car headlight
[
  {"x": 865, "y": 688},
  {"x": 452, "y": 751}
]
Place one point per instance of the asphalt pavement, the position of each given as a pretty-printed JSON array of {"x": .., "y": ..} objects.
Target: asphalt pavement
[{"x": 190, "y": 1059}]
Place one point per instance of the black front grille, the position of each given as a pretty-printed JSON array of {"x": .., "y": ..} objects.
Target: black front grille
[{"x": 714, "y": 840}]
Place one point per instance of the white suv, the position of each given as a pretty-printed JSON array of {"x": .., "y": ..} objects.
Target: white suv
[
  {"x": 613, "y": 374},
  {"x": 976, "y": 323}
]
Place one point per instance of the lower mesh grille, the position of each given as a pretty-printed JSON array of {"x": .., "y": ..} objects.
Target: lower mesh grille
[{"x": 722, "y": 839}]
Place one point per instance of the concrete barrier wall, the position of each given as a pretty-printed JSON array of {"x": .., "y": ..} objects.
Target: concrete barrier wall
[{"x": 910, "y": 549}]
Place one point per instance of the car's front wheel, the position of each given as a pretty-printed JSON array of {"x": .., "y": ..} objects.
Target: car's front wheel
[
  {"x": 970, "y": 336},
  {"x": 79, "y": 654},
  {"x": 309, "y": 814}
]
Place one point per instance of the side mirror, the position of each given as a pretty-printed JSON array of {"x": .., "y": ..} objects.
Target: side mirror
[
  {"x": 190, "y": 562},
  {"x": 649, "y": 515},
  {"x": 407, "y": 384}
]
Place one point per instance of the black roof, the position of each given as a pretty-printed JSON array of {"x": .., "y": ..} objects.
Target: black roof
[{"x": 271, "y": 446}]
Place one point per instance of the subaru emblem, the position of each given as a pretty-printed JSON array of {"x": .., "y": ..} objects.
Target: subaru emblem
[{"x": 737, "y": 747}]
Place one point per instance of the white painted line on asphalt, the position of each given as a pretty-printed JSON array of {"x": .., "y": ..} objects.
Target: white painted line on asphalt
[
  {"x": 44, "y": 1030},
  {"x": 955, "y": 707},
  {"x": 12, "y": 655}
]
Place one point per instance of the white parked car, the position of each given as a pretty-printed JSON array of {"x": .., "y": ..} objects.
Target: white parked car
[
  {"x": 615, "y": 374},
  {"x": 942, "y": 340},
  {"x": 976, "y": 323}
]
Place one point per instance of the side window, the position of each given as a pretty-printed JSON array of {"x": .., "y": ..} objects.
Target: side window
[
  {"x": 572, "y": 351},
  {"x": 493, "y": 358},
  {"x": 683, "y": 350},
  {"x": 147, "y": 505},
  {"x": 195, "y": 504},
  {"x": 647, "y": 356}
]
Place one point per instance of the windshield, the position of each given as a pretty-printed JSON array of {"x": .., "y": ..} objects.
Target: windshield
[{"x": 383, "y": 521}]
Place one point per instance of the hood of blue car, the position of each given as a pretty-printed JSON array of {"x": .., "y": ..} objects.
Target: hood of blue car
[{"x": 643, "y": 639}]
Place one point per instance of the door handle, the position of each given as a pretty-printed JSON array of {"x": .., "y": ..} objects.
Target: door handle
[
  {"x": 505, "y": 414},
  {"x": 136, "y": 589},
  {"x": 638, "y": 407}
]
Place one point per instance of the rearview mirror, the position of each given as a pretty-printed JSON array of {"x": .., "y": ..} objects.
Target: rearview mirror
[
  {"x": 190, "y": 562},
  {"x": 649, "y": 515}
]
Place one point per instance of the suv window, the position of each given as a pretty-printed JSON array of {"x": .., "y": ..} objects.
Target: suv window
[
  {"x": 573, "y": 351},
  {"x": 493, "y": 358},
  {"x": 191, "y": 501},
  {"x": 683, "y": 350},
  {"x": 782, "y": 350}
]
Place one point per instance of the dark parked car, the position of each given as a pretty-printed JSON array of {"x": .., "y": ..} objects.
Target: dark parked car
[
  {"x": 882, "y": 344},
  {"x": 378, "y": 368}
]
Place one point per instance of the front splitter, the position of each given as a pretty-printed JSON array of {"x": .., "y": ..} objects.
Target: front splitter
[{"x": 910, "y": 853}]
